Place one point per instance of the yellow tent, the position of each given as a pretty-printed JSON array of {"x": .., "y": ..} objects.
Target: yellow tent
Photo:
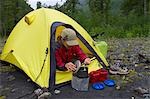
[{"x": 31, "y": 46}]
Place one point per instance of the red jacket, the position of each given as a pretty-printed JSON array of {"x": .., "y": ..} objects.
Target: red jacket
[{"x": 64, "y": 55}]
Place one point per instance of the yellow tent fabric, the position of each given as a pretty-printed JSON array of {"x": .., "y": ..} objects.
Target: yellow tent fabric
[{"x": 27, "y": 44}]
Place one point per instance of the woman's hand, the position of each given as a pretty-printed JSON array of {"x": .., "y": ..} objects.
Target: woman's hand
[
  {"x": 87, "y": 61},
  {"x": 70, "y": 66}
]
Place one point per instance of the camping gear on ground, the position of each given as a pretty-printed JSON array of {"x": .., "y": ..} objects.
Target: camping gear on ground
[
  {"x": 101, "y": 46},
  {"x": 118, "y": 70},
  {"x": 146, "y": 96},
  {"x": 80, "y": 79},
  {"x": 37, "y": 32},
  {"x": 109, "y": 83},
  {"x": 38, "y": 92},
  {"x": 98, "y": 86},
  {"x": 98, "y": 75},
  {"x": 80, "y": 84},
  {"x": 141, "y": 90},
  {"x": 42, "y": 93},
  {"x": 45, "y": 95},
  {"x": 81, "y": 71},
  {"x": 56, "y": 91}
]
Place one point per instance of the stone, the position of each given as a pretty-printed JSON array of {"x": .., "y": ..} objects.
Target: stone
[
  {"x": 45, "y": 95},
  {"x": 38, "y": 92},
  {"x": 147, "y": 67},
  {"x": 132, "y": 97},
  {"x": 141, "y": 90},
  {"x": 118, "y": 87},
  {"x": 13, "y": 90},
  {"x": 28, "y": 80},
  {"x": 57, "y": 91},
  {"x": 11, "y": 78},
  {"x": 136, "y": 65}
]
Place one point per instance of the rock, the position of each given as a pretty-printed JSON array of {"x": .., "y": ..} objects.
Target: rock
[
  {"x": 141, "y": 90},
  {"x": 132, "y": 97},
  {"x": 147, "y": 67},
  {"x": 38, "y": 92},
  {"x": 11, "y": 78},
  {"x": 118, "y": 87},
  {"x": 45, "y": 95},
  {"x": 57, "y": 91},
  {"x": 136, "y": 65},
  {"x": 140, "y": 75},
  {"x": 13, "y": 90},
  {"x": 28, "y": 80},
  {"x": 120, "y": 56}
]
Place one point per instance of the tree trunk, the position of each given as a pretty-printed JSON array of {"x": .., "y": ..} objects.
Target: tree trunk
[
  {"x": 148, "y": 7},
  {"x": 102, "y": 6},
  {"x": 1, "y": 28},
  {"x": 1, "y": 18},
  {"x": 145, "y": 8}
]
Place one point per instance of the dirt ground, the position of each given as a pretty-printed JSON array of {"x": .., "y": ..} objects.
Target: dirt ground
[{"x": 133, "y": 53}]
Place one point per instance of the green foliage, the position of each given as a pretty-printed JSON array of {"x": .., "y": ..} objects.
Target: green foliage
[
  {"x": 83, "y": 19},
  {"x": 101, "y": 6},
  {"x": 69, "y": 7},
  {"x": 131, "y": 18},
  {"x": 38, "y": 4},
  {"x": 138, "y": 7},
  {"x": 121, "y": 25}
]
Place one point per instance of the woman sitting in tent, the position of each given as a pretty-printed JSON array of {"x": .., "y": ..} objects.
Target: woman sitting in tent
[{"x": 69, "y": 55}]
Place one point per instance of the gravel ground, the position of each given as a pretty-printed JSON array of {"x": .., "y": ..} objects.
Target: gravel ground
[{"x": 132, "y": 53}]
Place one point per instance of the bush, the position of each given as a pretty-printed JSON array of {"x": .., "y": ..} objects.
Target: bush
[{"x": 118, "y": 26}]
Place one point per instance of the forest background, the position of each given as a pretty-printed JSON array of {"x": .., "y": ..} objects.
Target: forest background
[{"x": 107, "y": 18}]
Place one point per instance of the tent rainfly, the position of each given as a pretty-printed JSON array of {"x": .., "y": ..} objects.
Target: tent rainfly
[{"x": 32, "y": 42}]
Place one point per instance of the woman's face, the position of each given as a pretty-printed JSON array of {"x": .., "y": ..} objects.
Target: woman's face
[{"x": 65, "y": 44}]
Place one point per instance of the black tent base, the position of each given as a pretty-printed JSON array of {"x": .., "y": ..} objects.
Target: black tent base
[{"x": 59, "y": 86}]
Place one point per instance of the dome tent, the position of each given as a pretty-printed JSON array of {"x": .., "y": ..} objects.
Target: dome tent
[{"x": 31, "y": 46}]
